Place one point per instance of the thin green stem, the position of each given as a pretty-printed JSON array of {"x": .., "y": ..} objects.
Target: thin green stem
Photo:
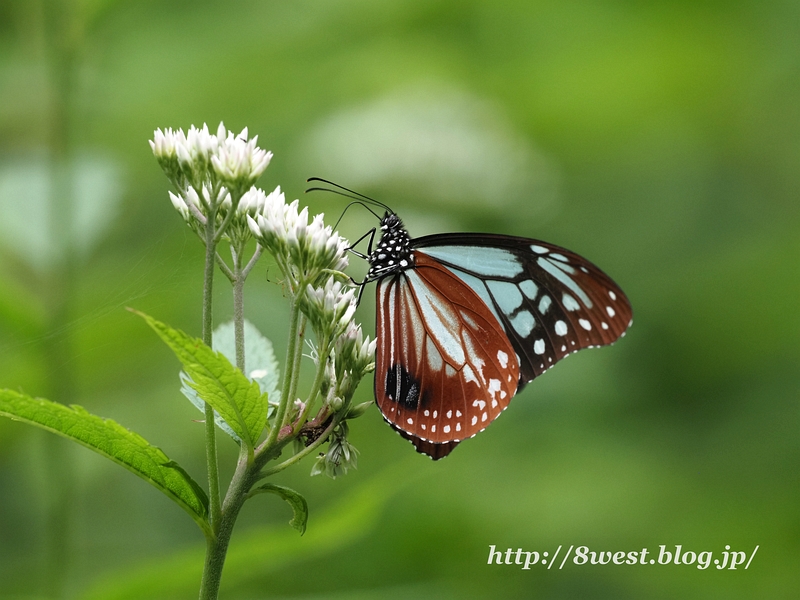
[
  {"x": 253, "y": 261},
  {"x": 220, "y": 231},
  {"x": 211, "y": 434},
  {"x": 238, "y": 309},
  {"x": 288, "y": 375},
  {"x": 298, "y": 355},
  {"x": 315, "y": 386},
  {"x": 226, "y": 270}
]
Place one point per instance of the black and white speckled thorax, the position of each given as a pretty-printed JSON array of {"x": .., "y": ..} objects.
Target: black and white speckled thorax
[{"x": 393, "y": 252}]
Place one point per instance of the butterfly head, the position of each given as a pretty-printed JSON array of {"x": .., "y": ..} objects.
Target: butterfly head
[{"x": 393, "y": 252}]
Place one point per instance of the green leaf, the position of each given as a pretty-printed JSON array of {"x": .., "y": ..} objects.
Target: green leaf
[
  {"x": 295, "y": 500},
  {"x": 113, "y": 441},
  {"x": 193, "y": 397},
  {"x": 238, "y": 400},
  {"x": 261, "y": 366}
]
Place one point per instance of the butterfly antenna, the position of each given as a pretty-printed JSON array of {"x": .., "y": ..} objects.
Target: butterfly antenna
[
  {"x": 359, "y": 202},
  {"x": 341, "y": 187}
]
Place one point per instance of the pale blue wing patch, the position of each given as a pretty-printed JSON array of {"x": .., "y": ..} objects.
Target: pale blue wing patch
[
  {"x": 506, "y": 294},
  {"x": 481, "y": 260}
]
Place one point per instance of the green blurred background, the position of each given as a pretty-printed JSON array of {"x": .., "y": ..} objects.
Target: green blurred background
[{"x": 659, "y": 139}]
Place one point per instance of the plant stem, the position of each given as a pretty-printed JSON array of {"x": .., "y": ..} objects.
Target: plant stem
[
  {"x": 217, "y": 547},
  {"x": 238, "y": 308},
  {"x": 211, "y": 434},
  {"x": 315, "y": 387},
  {"x": 288, "y": 375}
]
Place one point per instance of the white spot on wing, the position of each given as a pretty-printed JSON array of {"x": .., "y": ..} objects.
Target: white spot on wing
[
  {"x": 612, "y": 295},
  {"x": 469, "y": 375},
  {"x": 585, "y": 324},
  {"x": 610, "y": 311},
  {"x": 538, "y": 346},
  {"x": 503, "y": 358},
  {"x": 523, "y": 323},
  {"x": 446, "y": 428},
  {"x": 561, "y": 328},
  {"x": 474, "y": 419},
  {"x": 570, "y": 303},
  {"x": 544, "y": 304},
  {"x": 481, "y": 404},
  {"x": 410, "y": 421},
  {"x": 539, "y": 249}
]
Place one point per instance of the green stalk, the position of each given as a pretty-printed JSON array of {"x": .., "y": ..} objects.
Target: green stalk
[
  {"x": 211, "y": 434},
  {"x": 238, "y": 308},
  {"x": 217, "y": 547},
  {"x": 289, "y": 376},
  {"x": 315, "y": 387}
]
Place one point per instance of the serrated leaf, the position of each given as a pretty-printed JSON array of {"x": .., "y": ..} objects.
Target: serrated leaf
[
  {"x": 191, "y": 394},
  {"x": 115, "y": 442},
  {"x": 295, "y": 500},
  {"x": 260, "y": 362},
  {"x": 237, "y": 399},
  {"x": 261, "y": 366}
]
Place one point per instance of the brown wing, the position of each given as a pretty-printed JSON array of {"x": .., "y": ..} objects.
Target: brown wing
[{"x": 445, "y": 368}]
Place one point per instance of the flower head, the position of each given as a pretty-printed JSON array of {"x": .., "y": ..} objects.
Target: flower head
[
  {"x": 237, "y": 161},
  {"x": 329, "y": 308},
  {"x": 213, "y": 174},
  {"x": 304, "y": 251}
]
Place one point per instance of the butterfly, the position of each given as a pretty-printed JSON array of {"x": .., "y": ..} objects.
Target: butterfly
[{"x": 465, "y": 320}]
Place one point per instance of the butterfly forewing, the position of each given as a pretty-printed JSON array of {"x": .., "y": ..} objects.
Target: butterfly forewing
[
  {"x": 445, "y": 367},
  {"x": 551, "y": 302}
]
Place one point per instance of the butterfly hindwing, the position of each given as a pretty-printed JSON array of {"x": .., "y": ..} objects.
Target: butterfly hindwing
[
  {"x": 445, "y": 367},
  {"x": 551, "y": 302}
]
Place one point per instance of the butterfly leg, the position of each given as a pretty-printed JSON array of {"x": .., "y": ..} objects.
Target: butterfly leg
[{"x": 371, "y": 235}]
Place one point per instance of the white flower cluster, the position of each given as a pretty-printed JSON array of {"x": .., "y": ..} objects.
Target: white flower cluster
[
  {"x": 238, "y": 160},
  {"x": 197, "y": 157},
  {"x": 212, "y": 172},
  {"x": 304, "y": 251},
  {"x": 330, "y": 308}
]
